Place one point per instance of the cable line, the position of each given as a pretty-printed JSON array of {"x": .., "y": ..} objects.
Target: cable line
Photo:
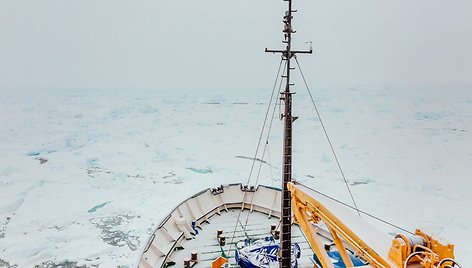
[
  {"x": 255, "y": 155},
  {"x": 263, "y": 155},
  {"x": 327, "y": 137},
  {"x": 263, "y": 125},
  {"x": 361, "y": 211}
]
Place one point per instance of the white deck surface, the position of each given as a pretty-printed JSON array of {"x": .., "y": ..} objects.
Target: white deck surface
[{"x": 258, "y": 227}]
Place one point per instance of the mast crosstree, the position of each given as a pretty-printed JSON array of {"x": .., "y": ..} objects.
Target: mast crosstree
[{"x": 286, "y": 96}]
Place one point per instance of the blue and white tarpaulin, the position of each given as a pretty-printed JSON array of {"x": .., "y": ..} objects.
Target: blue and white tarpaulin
[{"x": 263, "y": 254}]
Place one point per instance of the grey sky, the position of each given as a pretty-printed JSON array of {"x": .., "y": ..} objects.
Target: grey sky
[{"x": 218, "y": 44}]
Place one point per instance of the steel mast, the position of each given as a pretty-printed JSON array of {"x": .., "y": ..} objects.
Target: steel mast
[{"x": 286, "y": 96}]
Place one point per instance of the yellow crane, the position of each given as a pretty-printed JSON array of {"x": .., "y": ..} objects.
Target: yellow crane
[{"x": 419, "y": 250}]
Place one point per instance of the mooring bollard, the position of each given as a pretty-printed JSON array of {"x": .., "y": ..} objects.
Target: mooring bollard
[
  {"x": 186, "y": 263},
  {"x": 222, "y": 240},
  {"x": 194, "y": 257}
]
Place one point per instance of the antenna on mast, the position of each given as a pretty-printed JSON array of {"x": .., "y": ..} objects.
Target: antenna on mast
[
  {"x": 286, "y": 96},
  {"x": 311, "y": 45}
]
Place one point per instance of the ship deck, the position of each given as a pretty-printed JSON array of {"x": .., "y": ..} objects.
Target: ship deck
[
  {"x": 212, "y": 209},
  {"x": 208, "y": 248}
]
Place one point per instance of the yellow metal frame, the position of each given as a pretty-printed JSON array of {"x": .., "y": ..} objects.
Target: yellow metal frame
[{"x": 309, "y": 211}]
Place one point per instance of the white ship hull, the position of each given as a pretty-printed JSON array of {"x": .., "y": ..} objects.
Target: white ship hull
[{"x": 212, "y": 209}]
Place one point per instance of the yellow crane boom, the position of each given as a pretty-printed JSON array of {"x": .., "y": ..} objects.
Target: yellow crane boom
[{"x": 420, "y": 250}]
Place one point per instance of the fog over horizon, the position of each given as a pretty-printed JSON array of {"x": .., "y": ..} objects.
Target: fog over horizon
[{"x": 208, "y": 45}]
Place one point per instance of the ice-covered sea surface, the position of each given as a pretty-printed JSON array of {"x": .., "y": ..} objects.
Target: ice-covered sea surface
[{"x": 85, "y": 179}]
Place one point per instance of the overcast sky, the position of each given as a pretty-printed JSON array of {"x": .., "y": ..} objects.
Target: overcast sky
[{"x": 218, "y": 44}]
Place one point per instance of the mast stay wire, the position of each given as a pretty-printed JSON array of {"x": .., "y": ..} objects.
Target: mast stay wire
[
  {"x": 268, "y": 132},
  {"x": 339, "y": 166},
  {"x": 361, "y": 211},
  {"x": 256, "y": 153},
  {"x": 264, "y": 150},
  {"x": 264, "y": 124},
  {"x": 327, "y": 137}
]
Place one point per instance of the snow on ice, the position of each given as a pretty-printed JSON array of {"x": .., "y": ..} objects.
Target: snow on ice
[{"x": 85, "y": 179}]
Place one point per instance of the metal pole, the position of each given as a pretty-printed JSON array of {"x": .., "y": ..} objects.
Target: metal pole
[
  {"x": 286, "y": 210},
  {"x": 286, "y": 237}
]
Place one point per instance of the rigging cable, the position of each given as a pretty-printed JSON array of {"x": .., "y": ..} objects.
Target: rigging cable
[
  {"x": 255, "y": 155},
  {"x": 264, "y": 153},
  {"x": 339, "y": 166},
  {"x": 268, "y": 132},
  {"x": 363, "y": 212},
  {"x": 263, "y": 125},
  {"x": 327, "y": 137}
]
